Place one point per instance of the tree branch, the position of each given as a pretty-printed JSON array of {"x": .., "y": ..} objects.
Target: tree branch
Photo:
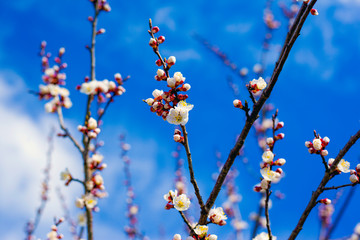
[
  {"x": 320, "y": 189},
  {"x": 191, "y": 170},
  {"x": 289, "y": 42}
]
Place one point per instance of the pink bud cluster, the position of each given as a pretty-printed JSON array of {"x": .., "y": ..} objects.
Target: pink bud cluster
[
  {"x": 53, "y": 78},
  {"x": 169, "y": 104},
  {"x": 91, "y": 129},
  {"x": 54, "y": 234},
  {"x": 103, "y": 5},
  {"x": 355, "y": 174},
  {"x": 318, "y": 145},
  {"x": 269, "y": 20},
  {"x": 156, "y": 41}
]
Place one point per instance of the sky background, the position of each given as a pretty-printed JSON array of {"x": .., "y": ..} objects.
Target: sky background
[{"x": 317, "y": 89}]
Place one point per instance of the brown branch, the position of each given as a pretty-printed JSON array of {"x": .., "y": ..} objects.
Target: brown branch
[
  {"x": 191, "y": 170},
  {"x": 267, "y": 212},
  {"x": 187, "y": 222},
  {"x": 341, "y": 186},
  {"x": 325, "y": 163},
  {"x": 289, "y": 42},
  {"x": 67, "y": 132},
  {"x": 320, "y": 189}
]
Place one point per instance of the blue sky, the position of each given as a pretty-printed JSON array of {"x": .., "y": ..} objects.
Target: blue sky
[{"x": 317, "y": 89}]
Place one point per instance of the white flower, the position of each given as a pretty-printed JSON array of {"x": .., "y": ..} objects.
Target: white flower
[
  {"x": 179, "y": 114},
  {"x": 317, "y": 144},
  {"x": 98, "y": 180},
  {"x": 171, "y": 60},
  {"x": 157, "y": 93},
  {"x": 88, "y": 87},
  {"x": 239, "y": 225},
  {"x": 178, "y": 77},
  {"x": 170, "y": 195},
  {"x": 65, "y": 175},
  {"x": 201, "y": 230},
  {"x": 181, "y": 202},
  {"x": 263, "y": 236},
  {"x": 51, "y": 106},
  {"x": 268, "y": 156},
  {"x": 331, "y": 161},
  {"x": 343, "y": 166},
  {"x": 97, "y": 158},
  {"x": 53, "y": 235},
  {"x": 79, "y": 203},
  {"x": 357, "y": 229},
  {"x": 90, "y": 201},
  {"x": 149, "y": 101},
  {"x": 269, "y": 174},
  {"x": 217, "y": 216},
  {"x": 187, "y": 86},
  {"x": 171, "y": 82},
  {"x": 260, "y": 83},
  {"x": 92, "y": 124},
  {"x": 50, "y": 72}
]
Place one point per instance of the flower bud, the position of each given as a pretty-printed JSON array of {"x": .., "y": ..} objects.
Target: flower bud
[
  {"x": 326, "y": 140},
  {"x": 354, "y": 178},
  {"x": 280, "y": 136},
  {"x": 213, "y": 237},
  {"x": 324, "y": 152},
  {"x": 244, "y": 71},
  {"x": 171, "y": 61},
  {"x": 158, "y": 62},
  {"x": 270, "y": 141},
  {"x": 237, "y": 103},
  {"x": 161, "y": 39},
  {"x": 152, "y": 42},
  {"x": 280, "y": 125},
  {"x": 92, "y": 124},
  {"x": 100, "y": 31},
  {"x": 314, "y": 12},
  {"x": 308, "y": 144},
  {"x": 155, "y": 29},
  {"x": 177, "y": 137},
  {"x": 325, "y": 201},
  {"x": 280, "y": 162},
  {"x": 186, "y": 87}
]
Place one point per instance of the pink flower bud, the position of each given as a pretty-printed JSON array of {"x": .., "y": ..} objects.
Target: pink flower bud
[
  {"x": 270, "y": 141},
  {"x": 171, "y": 61},
  {"x": 237, "y": 103},
  {"x": 324, "y": 152},
  {"x": 90, "y": 18},
  {"x": 280, "y": 136},
  {"x": 358, "y": 167},
  {"x": 325, "y": 201},
  {"x": 153, "y": 42},
  {"x": 100, "y": 31},
  {"x": 280, "y": 171},
  {"x": 280, "y": 125},
  {"x": 308, "y": 144},
  {"x": 326, "y": 140},
  {"x": 161, "y": 39},
  {"x": 314, "y": 12},
  {"x": 158, "y": 62},
  {"x": 177, "y": 137},
  {"x": 155, "y": 29},
  {"x": 354, "y": 178},
  {"x": 280, "y": 162}
]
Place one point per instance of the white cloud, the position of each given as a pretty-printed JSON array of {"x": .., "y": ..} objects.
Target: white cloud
[{"x": 23, "y": 146}]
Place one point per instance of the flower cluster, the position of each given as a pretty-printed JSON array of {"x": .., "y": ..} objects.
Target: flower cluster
[
  {"x": 217, "y": 216},
  {"x": 103, "y": 89},
  {"x": 179, "y": 202},
  {"x": 355, "y": 174},
  {"x": 269, "y": 20},
  {"x": 170, "y": 105},
  {"x": 257, "y": 85},
  {"x": 54, "y": 78},
  {"x": 91, "y": 129},
  {"x": 103, "y": 5},
  {"x": 268, "y": 162},
  {"x": 318, "y": 145},
  {"x": 53, "y": 234},
  {"x": 343, "y": 166}
]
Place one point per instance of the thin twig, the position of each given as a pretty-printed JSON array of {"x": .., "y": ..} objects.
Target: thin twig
[
  {"x": 341, "y": 186},
  {"x": 191, "y": 170},
  {"x": 267, "y": 212},
  {"x": 187, "y": 222},
  {"x": 67, "y": 132}
]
